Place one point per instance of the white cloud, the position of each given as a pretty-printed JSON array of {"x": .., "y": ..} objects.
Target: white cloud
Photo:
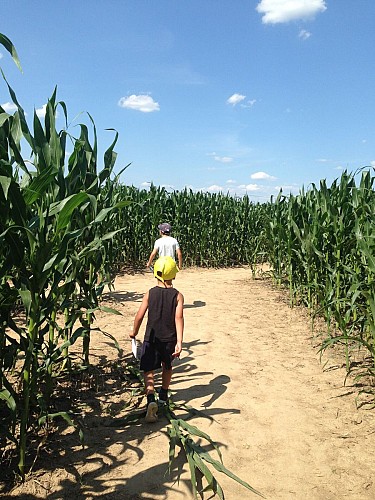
[
  {"x": 283, "y": 11},
  {"x": 214, "y": 189},
  {"x": 257, "y": 192},
  {"x": 1, "y": 55},
  {"x": 372, "y": 163},
  {"x": 304, "y": 34},
  {"x": 249, "y": 187},
  {"x": 41, "y": 112},
  {"x": 235, "y": 99},
  {"x": 262, "y": 175},
  {"x": 142, "y": 102},
  {"x": 249, "y": 104},
  {"x": 292, "y": 188},
  {"x": 9, "y": 107},
  {"x": 223, "y": 159}
]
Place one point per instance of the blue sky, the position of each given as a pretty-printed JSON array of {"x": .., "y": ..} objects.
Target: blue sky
[{"x": 242, "y": 96}]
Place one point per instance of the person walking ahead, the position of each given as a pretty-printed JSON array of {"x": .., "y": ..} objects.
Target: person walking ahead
[
  {"x": 164, "y": 332},
  {"x": 166, "y": 246}
]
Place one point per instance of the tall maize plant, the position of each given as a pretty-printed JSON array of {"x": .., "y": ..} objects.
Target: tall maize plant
[
  {"x": 321, "y": 243},
  {"x": 54, "y": 240},
  {"x": 214, "y": 230}
]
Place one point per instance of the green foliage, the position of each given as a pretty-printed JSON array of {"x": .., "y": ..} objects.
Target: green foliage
[
  {"x": 55, "y": 236},
  {"x": 322, "y": 245},
  {"x": 214, "y": 230}
]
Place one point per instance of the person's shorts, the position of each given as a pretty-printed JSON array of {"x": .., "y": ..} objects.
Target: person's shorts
[{"x": 154, "y": 353}]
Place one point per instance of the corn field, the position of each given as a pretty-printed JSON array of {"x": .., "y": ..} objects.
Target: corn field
[
  {"x": 54, "y": 238},
  {"x": 215, "y": 230},
  {"x": 67, "y": 224},
  {"x": 322, "y": 246}
]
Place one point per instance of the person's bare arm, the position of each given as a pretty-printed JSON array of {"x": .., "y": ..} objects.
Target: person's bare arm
[
  {"x": 179, "y": 319},
  {"x": 152, "y": 257},
  {"x": 139, "y": 316},
  {"x": 179, "y": 257}
]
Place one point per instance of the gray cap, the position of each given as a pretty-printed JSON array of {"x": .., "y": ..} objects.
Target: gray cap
[{"x": 165, "y": 227}]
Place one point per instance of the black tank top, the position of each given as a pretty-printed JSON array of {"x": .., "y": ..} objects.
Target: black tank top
[{"x": 162, "y": 303}]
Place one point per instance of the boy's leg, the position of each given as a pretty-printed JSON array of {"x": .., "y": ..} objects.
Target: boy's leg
[
  {"x": 166, "y": 378},
  {"x": 149, "y": 382},
  {"x": 152, "y": 407}
]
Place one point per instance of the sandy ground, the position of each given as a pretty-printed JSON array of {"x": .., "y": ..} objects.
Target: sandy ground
[{"x": 284, "y": 420}]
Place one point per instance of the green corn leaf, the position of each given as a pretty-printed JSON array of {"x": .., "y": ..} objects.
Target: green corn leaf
[
  {"x": 74, "y": 199},
  {"x": 212, "y": 483},
  {"x": 52, "y": 416},
  {"x": 173, "y": 441},
  {"x": 80, "y": 332},
  {"x": 345, "y": 339},
  {"x": 5, "y": 183},
  {"x": 371, "y": 301},
  {"x": 66, "y": 208},
  {"x": 24, "y": 126},
  {"x": 117, "y": 177},
  {"x": 59, "y": 258},
  {"x": 3, "y": 118},
  {"x": 102, "y": 215},
  {"x": 122, "y": 204},
  {"x": 194, "y": 431},
  {"x": 26, "y": 299},
  {"x": 110, "y": 156},
  {"x": 110, "y": 336},
  {"x": 39, "y": 185},
  {"x": 110, "y": 310},
  {"x": 6, "y": 396},
  {"x": 8, "y": 45},
  {"x": 192, "y": 466},
  {"x": 219, "y": 466}
]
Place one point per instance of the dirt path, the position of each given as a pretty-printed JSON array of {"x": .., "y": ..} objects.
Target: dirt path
[{"x": 286, "y": 423}]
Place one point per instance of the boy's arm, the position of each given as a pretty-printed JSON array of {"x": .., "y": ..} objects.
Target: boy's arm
[
  {"x": 152, "y": 257},
  {"x": 179, "y": 319},
  {"x": 179, "y": 257},
  {"x": 139, "y": 316}
]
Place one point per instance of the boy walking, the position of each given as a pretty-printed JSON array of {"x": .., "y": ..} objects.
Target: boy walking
[
  {"x": 166, "y": 245},
  {"x": 164, "y": 332}
]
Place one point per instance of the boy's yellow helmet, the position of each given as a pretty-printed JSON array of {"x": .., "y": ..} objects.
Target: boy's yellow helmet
[{"x": 165, "y": 269}]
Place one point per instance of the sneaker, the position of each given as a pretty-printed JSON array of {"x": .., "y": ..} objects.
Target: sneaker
[{"x": 151, "y": 415}]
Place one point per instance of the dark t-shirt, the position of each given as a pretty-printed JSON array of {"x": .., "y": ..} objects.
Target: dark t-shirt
[{"x": 162, "y": 303}]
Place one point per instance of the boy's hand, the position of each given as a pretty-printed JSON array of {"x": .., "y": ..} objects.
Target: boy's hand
[
  {"x": 177, "y": 351},
  {"x": 132, "y": 335}
]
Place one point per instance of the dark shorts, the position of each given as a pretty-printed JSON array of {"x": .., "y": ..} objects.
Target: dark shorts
[{"x": 154, "y": 353}]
